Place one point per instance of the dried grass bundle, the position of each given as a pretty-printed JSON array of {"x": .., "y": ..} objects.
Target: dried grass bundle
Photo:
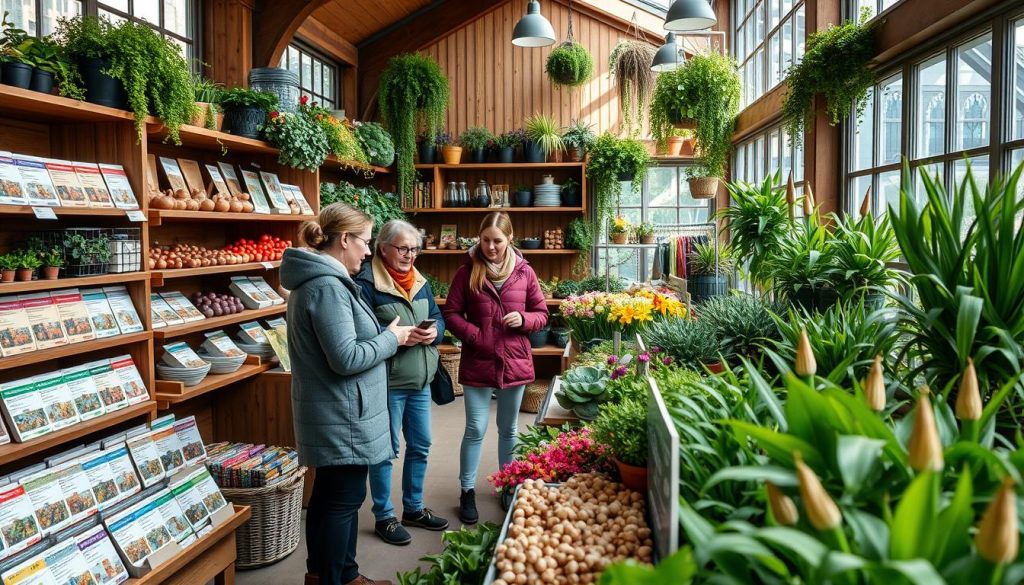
[{"x": 630, "y": 65}]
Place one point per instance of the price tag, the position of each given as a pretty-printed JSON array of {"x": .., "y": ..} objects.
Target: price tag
[
  {"x": 44, "y": 213},
  {"x": 267, "y": 265},
  {"x": 135, "y": 215}
]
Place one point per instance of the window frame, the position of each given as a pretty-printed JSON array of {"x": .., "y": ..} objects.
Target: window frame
[
  {"x": 762, "y": 75},
  {"x": 305, "y": 47}
]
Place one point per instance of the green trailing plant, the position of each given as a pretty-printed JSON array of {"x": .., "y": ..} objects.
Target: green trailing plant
[
  {"x": 629, "y": 64},
  {"x": 475, "y": 137},
  {"x": 758, "y": 221},
  {"x": 300, "y": 138},
  {"x": 569, "y": 64},
  {"x": 690, "y": 344},
  {"x": 579, "y": 135},
  {"x": 706, "y": 261},
  {"x": 466, "y": 558},
  {"x": 376, "y": 143},
  {"x": 611, "y": 158},
  {"x": 863, "y": 251},
  {"x": 834, "y": 65},
  {"x": 379, "y": 205},
  {"x": 711, "y": 97},
  {"x": 583, "y": 389},
  {"x": 413, "y": 94},
  {"x": 579, "y": 235},
  {"x": 667, "y": 104},
  {"x": 243, "y": 97},
  {"x": 743, "y": 324},
  {"x": 623, "y": 428},
  {"x": 545, "y": 132}
]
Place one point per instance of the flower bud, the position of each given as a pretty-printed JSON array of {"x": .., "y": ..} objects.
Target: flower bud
[
  {"x": 790, "y": 195},
  {"x": 925, "y": 446},
  {"x": 997, "y": 539},
  {"x": 808, "y": 200},
  {"x": 865, "y": 205},
  {"x": 874, "y": 386},
  {"x": 968, "y": 397},
  {"x": 804, "y": 365},
  {"x": 782, "y": 506},
  {"x": 821, "y": 510}
]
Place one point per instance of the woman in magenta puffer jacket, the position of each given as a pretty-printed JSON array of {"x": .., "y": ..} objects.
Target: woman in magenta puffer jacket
[{"x": 494, "y": 302}]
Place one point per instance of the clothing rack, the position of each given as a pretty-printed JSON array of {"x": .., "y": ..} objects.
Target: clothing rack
[{"x": 662, "y": 232}]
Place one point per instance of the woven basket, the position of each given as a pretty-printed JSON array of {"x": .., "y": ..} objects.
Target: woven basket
[
  {"x": 534, "y": 396},
  {"x": 450, "y": 361},
  {"x": 273, "y": 531}
]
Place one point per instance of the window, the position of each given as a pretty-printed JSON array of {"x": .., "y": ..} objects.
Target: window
[
  {"x": 874, "y": 7},
  {"x": 768, "y": 37},
  {"x": 766, "y": 154},
  {"x": 39, "y": 17},
  {"x": 318, "y": 76}
]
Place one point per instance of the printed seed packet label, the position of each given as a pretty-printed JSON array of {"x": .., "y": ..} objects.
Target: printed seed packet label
[
  {"x": 175, "y": 178},
  {"x": 35, "y": 180},
  {"x": 146, "y": 457},
  {"x": 213, "y": 499},
  {"x": 101, "y": 477},
  {"x": 19, "y": 528},
  {"x": 139, "y": 530},
  {"x": 256, "y": 193},
  {"x": 230, "y": 178},
  {"x": 298, "y": 197},
  {"x": 15, "y": 328},
  {"x": 163, "y": 310},
  {"x": 182, "y": 307},
  {"x": 253, "y": 333},
  {"x": 11, "y": 190},
  {"x": 104, "y": 324},
  {"x": 124, "y": 310},
  {"x": 276, "y": 193},
  {"x": 108, "y": 385},
  {"x": 119, "y": 460},
  {"x": 101, "y": 557},
  {"x": 44, "y": 319},
  {"x": 192, "y": 447},
  {"x": 167, "y": 444},
  {"x": 181, "y": 355},
  {"x": 193, "y": 175},
  {"x": 250, "y": 296},
  {"x": 278, "y": 337},
  {"x": 57, "y": 400},
  {"x": 74, "y": 316},
  {"x": 277, "y": 322},
  {"x": 32, "y": 571},
  {"x": 67, "y": 564},
  {"x": 48, "y": 504},
  {"x": 119, "y": 186},
  {"x": 77, "y": 490},
  {"x": 186, "y": 491},
  {"x": 264, "y": 287},
  {"x": 24, "y": 409},
  {"x": 130, "y": 378},
  {"x": 220, "y": 186},
  {"x": 84, "y": 391},
  {"x": 95, "y": 188},
  {"x": 219, "y": 344},
  {"x": 65, "y": 182},
  {"x": 174, "y": 519}
]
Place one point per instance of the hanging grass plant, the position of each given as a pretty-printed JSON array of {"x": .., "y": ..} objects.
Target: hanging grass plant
[
  {"x": 835, "y": 65},
  {"x": 570, "y": 65},
  {"x": 630, "y": 65},
  {"x": 413, "y": 93}
]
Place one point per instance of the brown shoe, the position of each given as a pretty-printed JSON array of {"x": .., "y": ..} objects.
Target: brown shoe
[
  {"x": 312, "y": 579},
  {"x": 361, "y": 580}
]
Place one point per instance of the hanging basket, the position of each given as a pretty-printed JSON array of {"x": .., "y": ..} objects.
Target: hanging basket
[{"x": 703, "y": 187}]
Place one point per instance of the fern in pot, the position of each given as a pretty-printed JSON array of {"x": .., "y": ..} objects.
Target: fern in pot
[
  {"x": 543, "y": 138},
  {"x": 709, "y": 270},
  {"x": 578, "y": 138}
]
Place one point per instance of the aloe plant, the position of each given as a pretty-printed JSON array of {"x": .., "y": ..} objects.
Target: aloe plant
[{"x": 582, "y": 389}]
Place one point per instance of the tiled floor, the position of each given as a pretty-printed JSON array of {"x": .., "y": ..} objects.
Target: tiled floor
[{"x": 441, "y": 493}]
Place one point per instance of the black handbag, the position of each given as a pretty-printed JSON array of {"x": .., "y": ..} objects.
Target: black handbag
[{"x": 441, "y": 390}]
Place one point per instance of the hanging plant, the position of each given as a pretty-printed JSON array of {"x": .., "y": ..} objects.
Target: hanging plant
[
  {"x": 630, "y": 65},
  {"x": 612, "y": 160},
  {"x": 570, "y": 65},
  {"x": 413, "y": 93},
  {"x": 834, "y": 65}
]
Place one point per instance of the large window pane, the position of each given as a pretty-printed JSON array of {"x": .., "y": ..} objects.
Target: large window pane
[
  {"x": 980, "y": 173},
  {"x": 889, "y": 187},
  {"x": 663, "y": 186},
  {"x": 891, "y": 111},
  {"x": 863, "y": 137},
  {"x": 148, "y": 11},
  {"x": 1018, "y": 80},
  {"x": 858, "y": 186},
  {"x": 775, "y": 74},
  {"x": 934, "y": 172},
  {"x": 974, "y": 93},
  {"x": 931, "y": 107},
  {"x": 773, "y": 152},
  {"x": 176, "y": 16}
]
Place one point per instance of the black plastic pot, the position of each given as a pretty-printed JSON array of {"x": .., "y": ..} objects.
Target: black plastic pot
[
  {"x": 42, "y": 81},
  {"x": 572, "y": 197},
  {"x": 626, "y": 176},
  {"x": 539, "y": 338},
  {"x": 523, "y": 198},
  {"x": 506, "y": 155},
  {"x": 560, "y": 337},
  {"x": 428, "y": 153},
  {"x": 815, "y": 299},
  {"x": 243, "y": 121},
  {"x": 17, "y": 74},
  {"x": 533, "y": 152},
  {"x": 706, "y": 286},
  {"x": 478, "y": 155},
  {"x": 101, "y": 88}
]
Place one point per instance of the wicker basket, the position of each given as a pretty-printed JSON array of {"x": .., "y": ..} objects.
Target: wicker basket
[
  {"x": 450, "y": 361},
  {"x": 534, "y": 396},
  {"x": 273, "y": 531}
]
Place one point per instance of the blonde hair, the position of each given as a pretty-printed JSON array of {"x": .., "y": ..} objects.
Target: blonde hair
[
  {"x": 334, "y": 220},
  {"x": 495, "y": 219}
]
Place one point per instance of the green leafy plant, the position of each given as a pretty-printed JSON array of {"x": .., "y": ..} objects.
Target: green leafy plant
[
  {"x": 690, "y": 344},
  {"x": 439, "y": 287},
  {"x": 710, "y": 96},
  {"x": 679, "y": 568},
  {"x": 863, "y": 250},
  {"x": 582, "y": 389},
  {"x": 834, "y": 65},
  {"x": 376, "y": 143},
  {"x": 629, "y": 64},
  {"x": 53, "y": 257},
  {"x": 45, "y": 54},
  {"x": 98, "y": 250},
  {"x": 579, "y": 235},
  {"x": 14, "y": 42},
  {"x": 758, "y": 221},
  {"x": 610, "y": 159},
  {"x": 466, "y": 558},
  {"x": 623, "y": 428},
  {"x": 299, "y": 137},
  {"x": 743, "y": 324},
  {"x": 569, "y": 64},
  {"x": 644, "y": 228},
  {"x": 8, "y": 261},
  {"x": 706, "y": 261},
  {"x": 544, "y": 131},
  {"x": 579, "y": 135},
  {"x": 413, "y": 93},
  {"x": 802, "y": 260},
  {"x": 341, "y": 142},
  {"x": 565, "y": 288},
  {"x": 510, "y": 139},
  {"x": 243, "y": 97},
  {"x": 475, "y": 137},
  {"x": 597, "y": 283},
  {"x": 27, "y": 259},
  {"x": 379, "y": 205},
  {"x": 536, "y": 437},
  {"x": 207, "y": 90}
]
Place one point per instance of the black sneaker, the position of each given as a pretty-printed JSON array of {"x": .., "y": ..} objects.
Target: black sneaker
[
  {"x": 392, "y": 532},
  {"x": 467, "y": 507},
  {"x": 425, "y": 519}
]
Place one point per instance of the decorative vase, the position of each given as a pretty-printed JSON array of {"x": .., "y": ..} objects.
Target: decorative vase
[
  {"x": 428, "y": 153},
  {"x": 633, "y": 477},
  {"x": 51, "y": 272},
  {"x": 25, "y": 274},
  {"x": 244, "y": 121},
  {"x": 101, "y": 88},
  {"x": 705, "y": 286},
  {"x": 618, "y": 238},
  {"x": 648, "y": 239},
  {"x": 17, "y": 74},
  {"x": 42, "y": 81},
  {"x": 533, "y": 152},
  {"x": 478, "y": 155},
  {"x": 523, "y": 198},
  {"x": 539, "y": 338},
  {"x": 675, "y": 145},
  {"x": 452, "y": 154},
  {"x": 8, "y": 275},
  {"x": 280, "y": 82},
  {"x": 506, "y": 155},
  {"x": 576, "y": 154},
  {"x": 703, "y": 187}
]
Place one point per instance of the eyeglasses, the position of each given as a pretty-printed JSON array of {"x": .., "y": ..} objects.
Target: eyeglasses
[
  {"x": 407, "y": 251},
  {"x": 363, "y": 240}
]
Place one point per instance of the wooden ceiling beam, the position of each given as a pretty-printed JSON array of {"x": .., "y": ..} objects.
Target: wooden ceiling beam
[
  {"x": 275, "y": 22},
  {"x": 320, "y": 36}
]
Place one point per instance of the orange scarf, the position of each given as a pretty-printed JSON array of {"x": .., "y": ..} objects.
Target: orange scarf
[{"x": 404, "y": 280}]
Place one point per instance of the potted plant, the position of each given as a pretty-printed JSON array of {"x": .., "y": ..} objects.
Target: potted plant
[
  {"x": 207, "y": 96},
  {"x": 680, "y": 142},
  {"x": 413, "y": 93},
  {"x": 622, "y": 427},
  {"x": 300, "y": 136},
  {"x": 85, "y": 256},
  {"x": 690, "y": 343},
  {"x": 613, "y": 160},
  {"x": 565, "y": 288},
  {"x": 341, "y": 141},
  {"x": 569, "y": 64},
  {"x": 52, "y": 260},
  {"x": 539, "y": 338},
  {"x": 50, "y": 67},
  {"x": 645, "y": 231},
  {"x": 802, "y": 267},
  {"x": 28, "y": 261},
  {"x": 618, "y": 230},
  {"x": 758, "y": 220},
  {"x": 543, "y": 138},
  {"x": 523, "y": 196},
  {"x": 245, "y": 110},
  {"x": 505, "y": 144},
  {"x": 475, "y": 139},
  {"x": 85, "y": 42},
  {"x": 709, "y": 270},
  {"x": 426, "y": 149},
  {"x": 743, "y": 323},
  {"x": 8, "y": 267},
  {"x": 14, "y": 43},
  {"x": 548, "y": 287},
  {"x": 571, "y": 195},
  {"x": 450, "y": 152},
  {"x": 578, "y": 139},
  {"x": 630, "y": 67},
  {"x": 864, "y": 248},
  {"x": 376, "y": 143}
]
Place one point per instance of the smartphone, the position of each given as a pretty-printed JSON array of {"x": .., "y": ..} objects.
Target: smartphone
[{"x": 426, "y": 323}]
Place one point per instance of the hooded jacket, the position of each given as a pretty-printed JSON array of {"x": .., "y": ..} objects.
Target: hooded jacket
[
  {"x": 493, "y": 355},
  {"x": 338, "y": 352}
]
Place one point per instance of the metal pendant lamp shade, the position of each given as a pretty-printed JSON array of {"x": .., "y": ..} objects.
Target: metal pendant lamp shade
[
  {"x": 689, "y": 15},
  {"x": 667, "y": 57},
  {"x": 533, "y": 30}
]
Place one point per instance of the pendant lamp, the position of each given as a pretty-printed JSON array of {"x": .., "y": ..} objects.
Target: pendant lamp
[
  {"x": 689, "y": 15},
  {"x": 667, "y": 57},
  {"x": 533, "y": 30}
]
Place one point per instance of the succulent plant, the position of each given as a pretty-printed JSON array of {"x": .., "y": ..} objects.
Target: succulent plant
[{"x": 582, "y": 390}]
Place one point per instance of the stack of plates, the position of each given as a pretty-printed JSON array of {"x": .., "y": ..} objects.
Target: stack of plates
[
  {"x": 223, "y": 365},
  {"x": 188, "y": 376},
  {"x": 263, "y": 350},
  {"x": 547, "y": 195}
]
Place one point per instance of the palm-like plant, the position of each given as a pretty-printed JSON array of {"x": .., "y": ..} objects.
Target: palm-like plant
[
  {"x": 803, "y": 259},
  {"x": 863, "y": 250},
  {"x": 758, "y": 220},
  {"x": 545, "y": 132}
]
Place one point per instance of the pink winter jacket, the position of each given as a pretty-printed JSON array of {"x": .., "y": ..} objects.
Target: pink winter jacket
[{"x": 493, "y": 355}]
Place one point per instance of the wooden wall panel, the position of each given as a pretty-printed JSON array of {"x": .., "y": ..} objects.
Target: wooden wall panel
[{"x": 227, "y": 40}]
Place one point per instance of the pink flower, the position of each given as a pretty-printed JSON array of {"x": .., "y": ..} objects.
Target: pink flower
[
  {"x": 667, "y": 360},
  {"x": 619, "y": 372},
  {"x": 644, "y": 357},
  {"x": 612, "y": 360}
]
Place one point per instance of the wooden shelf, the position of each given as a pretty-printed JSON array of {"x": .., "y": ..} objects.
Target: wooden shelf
[
  {"x": 80, "y": 282},
  {"x": 15, "y": 451},
  {"x": 199, "y": 137},
  {"x": 505, "y": 166},
  {"x": 159, "y": 216},
  {"x": 550, "y": 302},
  {"x": 195, "y": 557},
  {"x": 160, "y": 276},
  {"x": 61, "y": 211},
  {"x": 334, "y": 162},
  {"x": 537, "y": 252},
  {"x": 55, "y": 353},
  {"x": 490, "y": 209},
  {"x": 25, "y": 104},
  {"x": 168, "y": 392},
  {"x": 546, "y": 350},
  {"x": 211, "y": 323}
]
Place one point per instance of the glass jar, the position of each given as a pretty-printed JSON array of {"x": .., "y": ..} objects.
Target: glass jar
[
  {"x": 463, "y": 194},
  {"x": 482, "y": 194},
  {"x": 450, "y": 195}
]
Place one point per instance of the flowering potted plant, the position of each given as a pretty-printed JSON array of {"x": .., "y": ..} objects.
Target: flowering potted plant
[
  {"x": 569, "y": 453},
  {"x": 299, "y": 136},
  {"x": 645, "y": 231},
  {"x": 450, "y": 152},
  {"x": 619, "y": 230}
]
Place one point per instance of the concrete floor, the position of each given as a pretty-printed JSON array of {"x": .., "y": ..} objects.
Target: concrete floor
[{"x": 441, "y": 493}]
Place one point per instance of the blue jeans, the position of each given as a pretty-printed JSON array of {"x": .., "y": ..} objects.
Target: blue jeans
[
  {"x": 478, "y": 410},
  {"x": 410, "y": 415}
]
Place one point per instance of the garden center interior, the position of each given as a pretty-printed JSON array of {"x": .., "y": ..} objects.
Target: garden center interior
[{"x": 777, "y": 242}]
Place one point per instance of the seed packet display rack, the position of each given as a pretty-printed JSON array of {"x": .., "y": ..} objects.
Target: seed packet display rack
[{"x": 49, "y": 126}]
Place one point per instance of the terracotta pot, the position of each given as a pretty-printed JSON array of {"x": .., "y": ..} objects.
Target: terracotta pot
[
  {"x": 452, "y": 155},
  {"x": 715, "y": 367},
  {"x": 50, "y": 272},
  {"x": 675, "y": 145},
  {"x": 648, "y": 239},
  {"x": 199, "y": 118},
  {"x": 576, "y": 155},
  {"x": 25, "y": 274},
  {"x": 618, "y": 238},
  {"x": 703, "y": 187},
  {"x": 633, "y": 476},
  {"x": 688, "y": 147},
  {"x": 7, "y": 276}
]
